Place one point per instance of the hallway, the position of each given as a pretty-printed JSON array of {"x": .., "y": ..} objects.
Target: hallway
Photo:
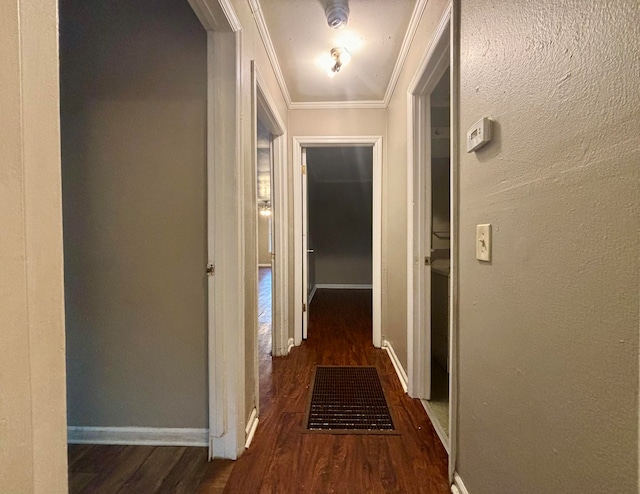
[{"x": 282, "y": 458}]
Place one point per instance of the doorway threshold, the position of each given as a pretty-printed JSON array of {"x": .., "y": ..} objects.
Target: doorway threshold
[{"x": 437, "y": 423}]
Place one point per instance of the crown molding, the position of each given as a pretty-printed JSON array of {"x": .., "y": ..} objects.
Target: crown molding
[
  {"x": 333, "y": 105},
  {"x": 404, "y": 49},
  {"x": 271, "y": 52},
  {"x": 230, "y": 14}
]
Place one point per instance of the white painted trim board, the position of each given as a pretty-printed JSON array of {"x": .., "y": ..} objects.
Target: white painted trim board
[
  {"x": 458, "y": 486},
  {"x": 402, "y": 375},
  {"x": 250, "y": 429},
  {"x": 139, "y": 436},
  {"x": 343, "y": 286}
]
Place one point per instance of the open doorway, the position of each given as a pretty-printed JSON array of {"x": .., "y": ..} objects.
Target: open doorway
[
  {"x": 264, "y": 167},
  {"x": 339, "y": 219},
  {"x": 432, "y": 244},
  {"x": 301, "y": 254},
  {"x": 440, "y": 103}
]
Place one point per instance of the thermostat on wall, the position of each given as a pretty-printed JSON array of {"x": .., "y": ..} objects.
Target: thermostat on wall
[{"x": 479, "y": 134}]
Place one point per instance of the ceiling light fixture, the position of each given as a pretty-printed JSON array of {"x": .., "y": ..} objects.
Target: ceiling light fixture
[
  {"x": 340, "y": 57},
  {"x": 265, "y": 208},
  {"x": 337, "y": 12}
]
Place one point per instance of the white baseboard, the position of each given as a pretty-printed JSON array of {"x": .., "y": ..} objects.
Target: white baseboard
[
  {"x": 344, "y": 286},
  {"x": 402, "y": 375},
  {"x": 458, "y": 486},
  {"x": 290, "y": 345},
  {"x": 313, "y": 292},
  {"x": 252, "y": 425},
  {"x": 142, "y": 436},
  {"x": 442, "y": 434}
]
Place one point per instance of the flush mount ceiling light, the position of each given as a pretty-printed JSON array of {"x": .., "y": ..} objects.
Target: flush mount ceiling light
[
  {"x": 337, "y": 12},
  {"x": 339, "y": 57},
  {"x": 265, "y": 208}
]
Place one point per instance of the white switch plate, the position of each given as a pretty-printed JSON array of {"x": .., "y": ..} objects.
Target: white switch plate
[{"x": 483, "y": 242}]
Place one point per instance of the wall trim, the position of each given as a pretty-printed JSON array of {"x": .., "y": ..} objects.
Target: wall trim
[
  {"x": 343, "y": 286},
  {"x": 265, "y": 108},
  {"x": 458, "y": 486},
  {"x": 416, "y": 16},
  {"x": 268, "y": 46},
  {"x": 313, "y": 292},
  {"x": 264, "y": 265},
  {"x": 139, "y": 436},
  {"x": 402, "y": 375},
  {"x": 332, "y": 105},
  {"x": 250, "y": 429}
]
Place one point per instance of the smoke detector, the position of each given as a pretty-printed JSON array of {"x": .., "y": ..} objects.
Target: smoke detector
[{"x": 337, "y": 12}]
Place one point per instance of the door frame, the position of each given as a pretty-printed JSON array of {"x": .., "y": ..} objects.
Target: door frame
[
  {"x": 375, "y": 142},
  {"x": 264, "y": 107},
  {"x": 438, "y": 56},
  {"x": 225, "y": 228}
]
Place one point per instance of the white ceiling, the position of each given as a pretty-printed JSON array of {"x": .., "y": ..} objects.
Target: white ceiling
[{"x": 300, "y": 37}]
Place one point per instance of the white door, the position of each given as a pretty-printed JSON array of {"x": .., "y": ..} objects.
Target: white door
[{"x": 305, "y": 247}]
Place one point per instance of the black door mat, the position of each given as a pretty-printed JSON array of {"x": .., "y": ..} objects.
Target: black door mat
[{"x": 348, "y": 400}]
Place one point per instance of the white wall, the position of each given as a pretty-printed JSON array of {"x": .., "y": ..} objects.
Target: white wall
[
  {"x": 548, "y": 338},
  {"x": 32, "y": 371}
]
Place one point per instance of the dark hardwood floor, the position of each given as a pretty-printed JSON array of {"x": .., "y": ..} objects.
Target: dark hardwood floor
[
  {"x": 282, "y": 458},
  {"x": 145, "y": 470}
]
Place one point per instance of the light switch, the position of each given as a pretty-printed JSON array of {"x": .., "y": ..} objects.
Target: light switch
[{"x": 483, "y": 242}]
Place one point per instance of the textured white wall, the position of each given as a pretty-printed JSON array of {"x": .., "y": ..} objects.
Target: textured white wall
[{"x": 548, "y": 375}]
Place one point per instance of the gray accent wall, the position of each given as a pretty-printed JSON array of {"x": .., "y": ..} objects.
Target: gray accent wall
[
  {"x": 133, "y": 117},
  {"x": 340, "y": 200}
]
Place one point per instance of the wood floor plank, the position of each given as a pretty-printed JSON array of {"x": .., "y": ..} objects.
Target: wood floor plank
[
  {"x": 216, "y": 477},
  {"x": 151, "y": 474},
  {"x": 76, "y": 451},
  {"x": 115, "y": 474},
  {"x": 185, "y": 476},
  {"x": 78, "y": 481},
  {"x": 95, "y": 459}
]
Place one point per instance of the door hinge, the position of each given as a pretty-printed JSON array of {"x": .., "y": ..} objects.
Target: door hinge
[
  {"x": 304, "y": 169},
  {"x": 427, "y": 261},
  {"x": 211, "y": 269},
  {"x": 304, "y": 307}
]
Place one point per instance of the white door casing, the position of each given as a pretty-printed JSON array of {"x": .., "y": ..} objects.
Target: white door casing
[
  {"x": 225, "y": 228},
  {"x": 437, "y": 58},
  {"x": 266, "y": 109},
  {"x": 300, "y": 248},
  {"x": 304, "y": 206}
]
